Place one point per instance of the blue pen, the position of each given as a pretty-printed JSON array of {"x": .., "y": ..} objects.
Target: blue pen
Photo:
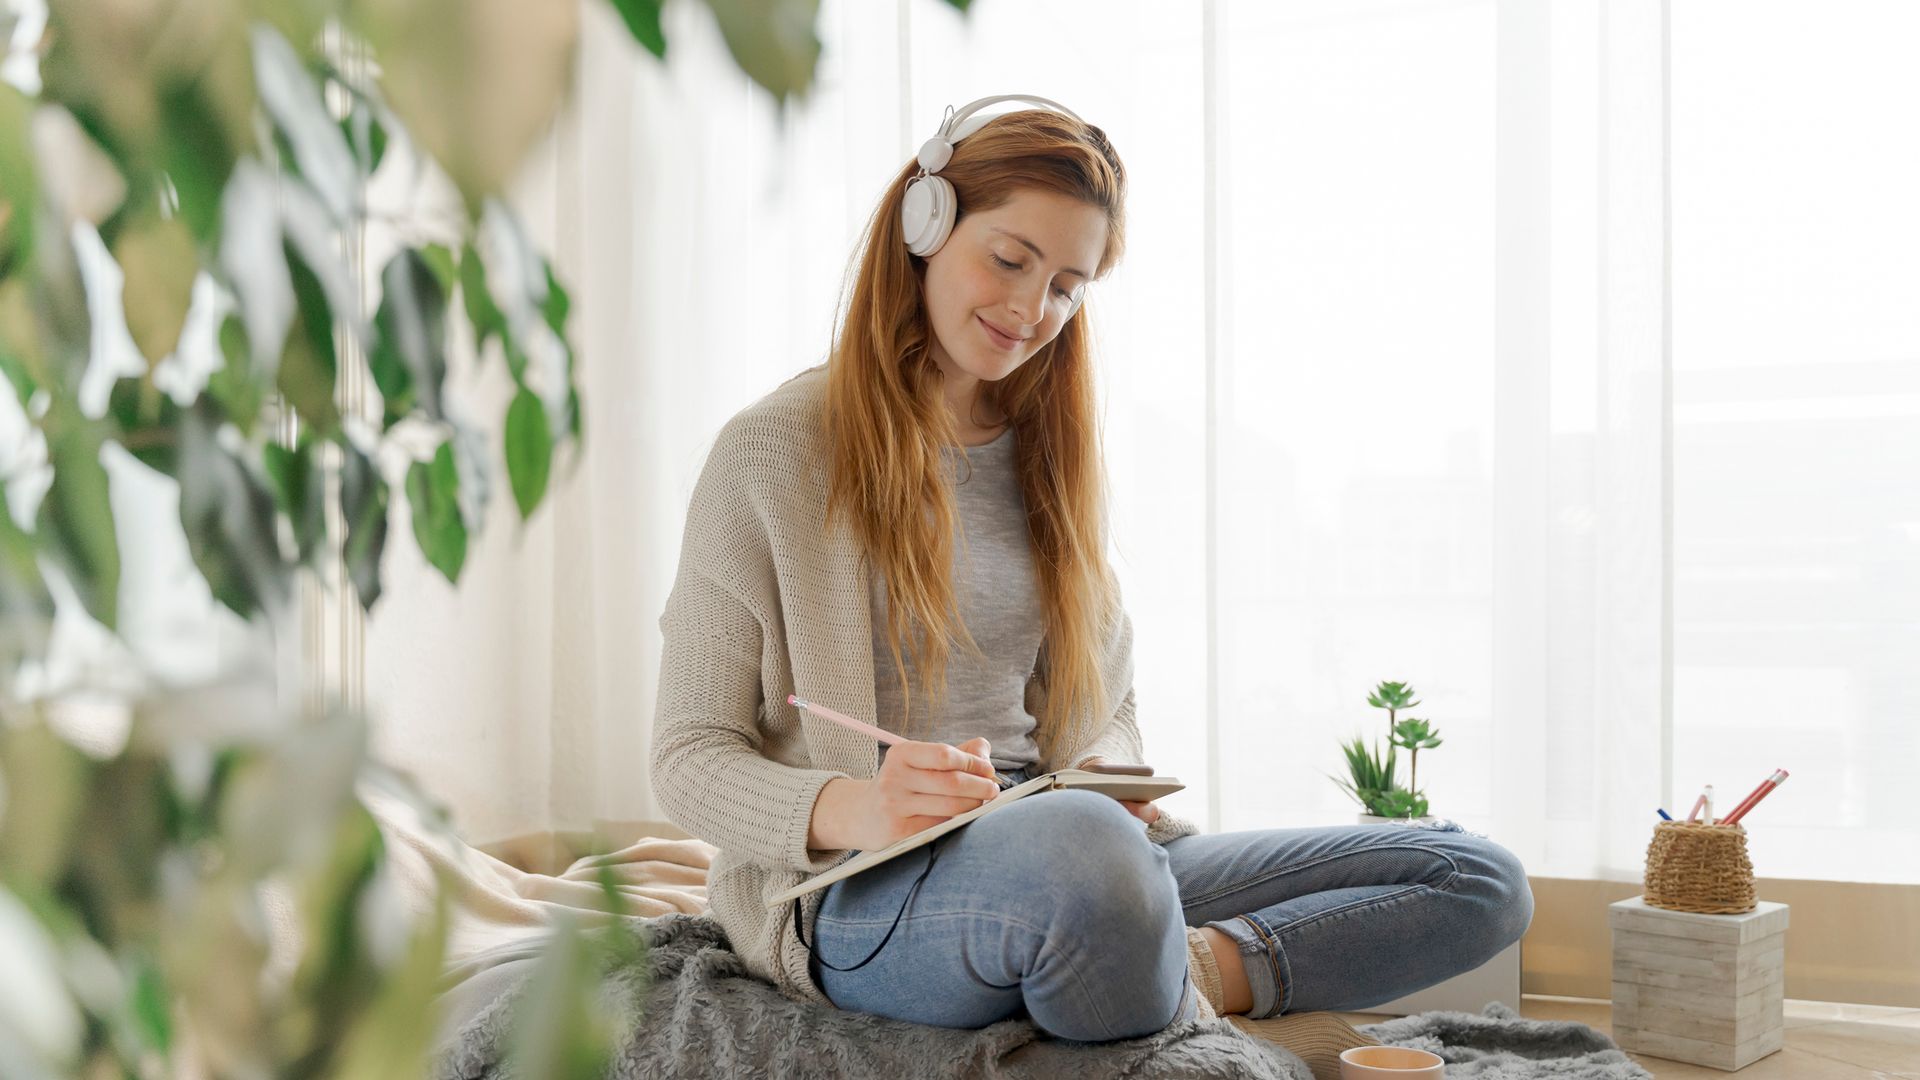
[{"x": 1663, "y": 815}]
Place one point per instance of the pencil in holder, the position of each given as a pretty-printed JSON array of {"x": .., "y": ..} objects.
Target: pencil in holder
[{"x": 1699, "y": 868}]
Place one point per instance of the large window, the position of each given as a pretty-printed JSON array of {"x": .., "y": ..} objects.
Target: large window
[
  {"x": 1565, "y": 362},
  {"x": 1796, "y": 421}
]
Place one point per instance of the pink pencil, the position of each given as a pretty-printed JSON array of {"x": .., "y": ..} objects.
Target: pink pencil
[
  {"x": 1002, "y": 779},
  {"x": 844, "y": 720},
  {"x": 1766, "y": 786}
]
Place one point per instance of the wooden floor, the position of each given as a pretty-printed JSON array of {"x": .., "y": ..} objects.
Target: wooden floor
[{"x": 1824, "y": 1041}]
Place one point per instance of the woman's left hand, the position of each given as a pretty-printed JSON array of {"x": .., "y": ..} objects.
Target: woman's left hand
[{"x": 1145, "y": 811}]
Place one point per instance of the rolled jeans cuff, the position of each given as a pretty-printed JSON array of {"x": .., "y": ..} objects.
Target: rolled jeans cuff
[{"x": 1264, "y": 961}]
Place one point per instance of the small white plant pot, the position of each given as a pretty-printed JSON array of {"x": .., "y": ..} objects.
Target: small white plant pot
[{"x": 1373, "y": 819}]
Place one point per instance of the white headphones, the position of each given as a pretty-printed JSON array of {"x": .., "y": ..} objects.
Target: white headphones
[{"x": 928, "y": 211}]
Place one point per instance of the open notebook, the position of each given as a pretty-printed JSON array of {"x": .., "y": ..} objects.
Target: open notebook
[{"x": 1124, "y": 788}]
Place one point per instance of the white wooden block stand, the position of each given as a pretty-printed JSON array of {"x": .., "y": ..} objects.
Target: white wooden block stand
[{"x": 1703, "y": 989}]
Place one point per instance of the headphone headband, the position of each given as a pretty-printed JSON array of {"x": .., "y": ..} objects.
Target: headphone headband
[{"x": 950, "y": 130}]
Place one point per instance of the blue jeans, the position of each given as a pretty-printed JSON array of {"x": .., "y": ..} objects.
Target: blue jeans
[{"x": 1060, "y": 905}]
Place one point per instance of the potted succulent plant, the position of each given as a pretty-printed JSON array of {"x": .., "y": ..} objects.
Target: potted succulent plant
[{"x": 1371, "y": 779}]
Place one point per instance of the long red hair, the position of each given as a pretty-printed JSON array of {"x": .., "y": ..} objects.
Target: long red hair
[{"x": 887, "y": 422}]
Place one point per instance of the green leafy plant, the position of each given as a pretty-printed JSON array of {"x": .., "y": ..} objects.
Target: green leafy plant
[
  {"x": 152, "y": 926},
  {"x": 1414, "y": 736},
  {"x": 1370, "y": 779},
  {"x": 151, "y": 929},
  {"x": 1369, "y": 776},
  {"x": 1392, "y": 696},
  {"x": 216, "y": 155},
  {"x": 220, "y": 151}
]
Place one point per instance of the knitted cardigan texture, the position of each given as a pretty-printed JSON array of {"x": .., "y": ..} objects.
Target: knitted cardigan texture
[{"x": 771, "y": 600}]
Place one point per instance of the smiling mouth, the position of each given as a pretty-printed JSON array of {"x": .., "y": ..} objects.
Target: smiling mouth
[{"x": 1003, "y": 340}]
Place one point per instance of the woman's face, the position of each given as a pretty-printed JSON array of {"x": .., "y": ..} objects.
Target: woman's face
[{"x": 1003, "y": 284}]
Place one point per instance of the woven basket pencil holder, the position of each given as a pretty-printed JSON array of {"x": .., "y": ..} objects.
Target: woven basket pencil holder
[{"x": 1699, "y": 868}]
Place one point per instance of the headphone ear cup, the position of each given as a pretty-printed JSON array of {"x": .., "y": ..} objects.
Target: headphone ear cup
[{"x": 926, "y": 214}]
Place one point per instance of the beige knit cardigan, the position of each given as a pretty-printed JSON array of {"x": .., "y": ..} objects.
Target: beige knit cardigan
[{"x": 769, "y": 601}]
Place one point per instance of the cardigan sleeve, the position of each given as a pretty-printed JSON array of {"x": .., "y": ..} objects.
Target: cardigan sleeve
[
  {"x": 707, "y": 767},
  {"x": 711, "y": 732}
]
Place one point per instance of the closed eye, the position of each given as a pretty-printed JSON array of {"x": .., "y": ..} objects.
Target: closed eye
[{"x": 1064, "y": 294}]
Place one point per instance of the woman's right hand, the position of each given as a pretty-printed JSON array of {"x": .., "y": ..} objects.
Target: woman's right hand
[{"x": 920, "y": 784}]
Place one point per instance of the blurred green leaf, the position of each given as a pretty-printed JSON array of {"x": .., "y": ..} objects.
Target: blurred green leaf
[
  {"x": 482, "y": 312},
  {"x": 960, "y": 5},
  {"x": 643, "y": 22},
  {"x": 369, "y": 125},
  {"x": 441, "y": 261},
  {"x": 150, "y": 1008},
  {"x": 292, "y": 97},
  {"x": 114, "y": 872},
  {"x": 561, "y": 1028},
  {"x": 394, "y": 1036},
  {"x": 160, "y": 263},
  {"x": 147, "y": 419},
  {"x": 233, "y": 386},
  {"x": 196, "y": 154},
  {"x": 307, "y": 367},
  {"x": 475, "y": 82},
  {"x": 46, "y": 781},
  {"x": 77, "y": 516},
  {"x": 163, "y": 88},
  {"x": 363, "y": 506},
  {"x": 556, "y": 309},
  {"x": 299, "y": 488},
  {"x": 529, "y": 451},
  {"x": 19, "y": 344},
  {"x": 433, "y": 488},
  {"x": 230, "y": 520},
  {"x": 26, "y": 606},
  {"x": 366, "y": 135},
  {"x": 335, "y": 976},
  {"x": 408, "y": 358},
  {"x": 19, "y": 187},
  {"x": 283, "y": 803},
  {"x": 773, "y": 41},
  {"x": 516, "y": 362},
  {"x": 558, "y": 304}
]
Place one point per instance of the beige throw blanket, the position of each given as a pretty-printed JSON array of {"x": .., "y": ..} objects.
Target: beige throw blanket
[{"x": 495, "y": 905}]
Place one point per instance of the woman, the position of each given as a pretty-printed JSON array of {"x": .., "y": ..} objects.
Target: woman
[{"x": 913, "y": 533}]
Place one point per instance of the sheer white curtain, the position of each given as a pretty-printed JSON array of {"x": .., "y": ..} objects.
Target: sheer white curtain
[
  {"x": 1796, "y": 407},
  {"x": 1559, "y": 359}
]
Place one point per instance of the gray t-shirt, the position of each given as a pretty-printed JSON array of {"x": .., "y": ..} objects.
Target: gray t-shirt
[{"x": 998, "y": 598}]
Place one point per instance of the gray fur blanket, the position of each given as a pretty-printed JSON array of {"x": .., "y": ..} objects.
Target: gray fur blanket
[
  {"x": 1499, "y": 1045},
  {"x": 703, "y": 1015}
]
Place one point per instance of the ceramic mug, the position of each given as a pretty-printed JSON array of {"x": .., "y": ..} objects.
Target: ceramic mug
[{"x": 1390, "y": 1063}]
